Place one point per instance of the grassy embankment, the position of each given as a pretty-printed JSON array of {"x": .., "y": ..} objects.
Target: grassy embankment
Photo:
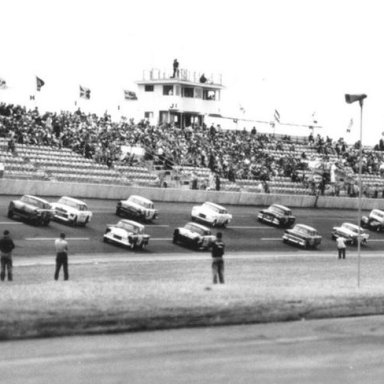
[{"x": 141, "y": 295}]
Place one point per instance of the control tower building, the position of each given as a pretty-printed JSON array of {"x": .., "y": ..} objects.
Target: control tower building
[{"x": 183, "y": 99}]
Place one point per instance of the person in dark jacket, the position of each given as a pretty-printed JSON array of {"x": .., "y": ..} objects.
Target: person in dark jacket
[
  {"x": 218, "y": 249},
  {"x": 6, "y": 248}
]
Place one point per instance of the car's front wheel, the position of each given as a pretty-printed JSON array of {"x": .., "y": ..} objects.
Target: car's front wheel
[{"x": 10, "y": 213}]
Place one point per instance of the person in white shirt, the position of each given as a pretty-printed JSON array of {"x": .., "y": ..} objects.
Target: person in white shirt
[
  {"x": 61, "y": 246},
  {"x": 340, "y": 241}
]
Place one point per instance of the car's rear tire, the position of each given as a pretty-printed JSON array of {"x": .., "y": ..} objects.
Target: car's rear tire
[
  {"x": 105, "y": 240},
  {"x": 74, "y": 222},
  {"x": 10, "y": 214},
  {"x": 118, "y": 212}
]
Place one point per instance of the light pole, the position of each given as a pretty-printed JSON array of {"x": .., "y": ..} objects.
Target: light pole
[{"x": 351, "y": 99}]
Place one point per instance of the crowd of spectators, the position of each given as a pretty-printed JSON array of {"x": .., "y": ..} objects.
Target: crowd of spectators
[{"x": 232, "y": 155}]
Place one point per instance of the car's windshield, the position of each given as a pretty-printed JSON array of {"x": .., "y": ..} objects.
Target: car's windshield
[
  {"x": 351, "y": 227},
  {"x": 215, "y": 208},
  {"x": 37, "y": 203},
  {"x": 129, "y": 227},
  {"x": 196, "y": 229},
  {"x": 73, "y": 204},
  {"x": 143, "y": 203},
  {"x": 279, "y": 210},
  {"x": 305, "y": 231},
  {"x": 378, "y": 214}
]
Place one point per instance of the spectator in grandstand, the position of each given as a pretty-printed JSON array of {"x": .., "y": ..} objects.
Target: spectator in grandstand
[
  {"x": 61, "y": 246},
  {"x": 6, "y": 247}
]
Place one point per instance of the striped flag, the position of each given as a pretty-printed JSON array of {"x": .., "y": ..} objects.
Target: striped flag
[
  {"x": 85, "y": 93},
  {"x": 129, "y": 95},
  {"x": 39, "y": 83},
  {"x": 350, "y": 125},
  {"x": 314, "y": 118},
  {"x": 3, "y": 84},
  {"x": 277, "y": 116}
]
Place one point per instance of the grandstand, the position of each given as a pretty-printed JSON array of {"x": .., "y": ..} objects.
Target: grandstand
[{"x": 82, "y": 148}]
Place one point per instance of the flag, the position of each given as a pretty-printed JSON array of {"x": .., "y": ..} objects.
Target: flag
[
  {"x": 85, "y": 93},
  {"x": 350, "y": 125},
  {"x": 129, "y": 95},
  {"x": 277, "y": 116},
  {"x": 3, "y": 84},
  {"x": 242, "y": 109},
  {"x": 314, "y": 118},
  {"x": 32, "y": 97},
  {"x": 39, "y": 83}
]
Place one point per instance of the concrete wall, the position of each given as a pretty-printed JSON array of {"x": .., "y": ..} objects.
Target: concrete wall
[{"x": 118, "y": 192}]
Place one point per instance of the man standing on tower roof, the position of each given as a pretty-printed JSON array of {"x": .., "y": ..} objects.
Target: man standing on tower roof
[{"x": 175, "y": 69}]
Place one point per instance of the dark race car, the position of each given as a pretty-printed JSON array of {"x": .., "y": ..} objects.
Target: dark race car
[
  {"x": 277, "y": 215},
  {"x": 137, "y": 208},
  {"x": 375, "y": 220},
  {"x": 194, "y": 235},
  {"x": 302, "y": 235},
  {"x": 32, "y": 209}
]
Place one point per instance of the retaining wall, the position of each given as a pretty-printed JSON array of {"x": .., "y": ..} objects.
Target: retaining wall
[{"x": 118, "y": 192}]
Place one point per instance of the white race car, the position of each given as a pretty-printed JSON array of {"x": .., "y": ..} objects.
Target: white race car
[
  {"x": 194, "y": 235},
  {"x": 128, "y": 233},
  {"x": 350, "y": 232},
  {"x": 212, "y": 214},
  {"x": 72, "y": 211}
]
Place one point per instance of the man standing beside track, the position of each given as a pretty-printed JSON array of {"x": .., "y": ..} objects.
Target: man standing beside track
[
  {"x": 218, "y": 248},
  {"x": 61, "y": 246},
  {"x": 340, "y": 241},
  {"x": 6, "y": 248}
]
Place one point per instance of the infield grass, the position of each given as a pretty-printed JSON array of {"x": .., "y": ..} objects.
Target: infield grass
[{"x": 125, "y": 296}]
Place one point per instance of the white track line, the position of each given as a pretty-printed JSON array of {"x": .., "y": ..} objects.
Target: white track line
[
  {"x": 270, "y": 238},
  {"x": 10, "y": 223},
  {"x": 160, "y": 239},
  {"x": 248, "y": 227},
  {"x": 54, "y": 238}
]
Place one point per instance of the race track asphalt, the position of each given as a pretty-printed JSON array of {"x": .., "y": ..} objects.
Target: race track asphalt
[{"x": 244, "y": 234}]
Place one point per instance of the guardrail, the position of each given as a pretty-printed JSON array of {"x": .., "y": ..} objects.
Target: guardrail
[{"x": 118, "y": 192}]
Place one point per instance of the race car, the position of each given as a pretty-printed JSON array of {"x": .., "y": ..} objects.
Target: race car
[
  {"x": 137, "y": 208},
  {"x": 375, "y": 220},
  {"x": 278, "y": 215},
  {"x": 212, "y": 214},
  {"x": 127, "y": 233},
  {"x": 350, "y": 232},
  {"x": 32, "y": 209},
  {"x": 194, "y": 235},
  {"x": 302, "y": 235},
  {"x": 72, "y": 211}
]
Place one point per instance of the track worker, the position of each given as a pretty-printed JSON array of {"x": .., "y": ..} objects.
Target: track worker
[
  {"x": 218, "y": 249},
  {"x": 61, "y": 246},
  {"x": 6, "y": 248},
  {"x": 341, "y": 247}
]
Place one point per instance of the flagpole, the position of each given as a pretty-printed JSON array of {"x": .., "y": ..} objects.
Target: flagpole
[
  {"x": 360, "y": 194},
  {"x": 351, "y": 99}
]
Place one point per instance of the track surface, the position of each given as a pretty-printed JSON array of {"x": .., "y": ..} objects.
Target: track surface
[
  {"x": 244, "y": 234},
  {"x": 320, "y": 351}
]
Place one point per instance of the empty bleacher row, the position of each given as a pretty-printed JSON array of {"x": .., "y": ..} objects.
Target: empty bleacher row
[{"x": 62, "y": 164}]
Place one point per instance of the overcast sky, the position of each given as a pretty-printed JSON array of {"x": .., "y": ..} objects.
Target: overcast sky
[{"x": 296, "y": 56}]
